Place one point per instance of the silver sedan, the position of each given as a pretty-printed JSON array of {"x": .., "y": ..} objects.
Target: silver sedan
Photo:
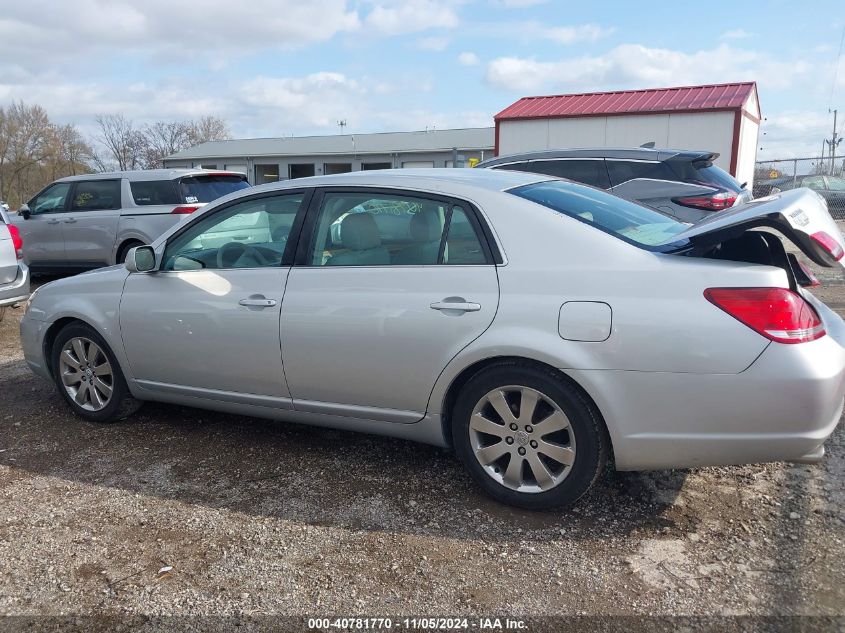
[{"x": 537, "y": 326}]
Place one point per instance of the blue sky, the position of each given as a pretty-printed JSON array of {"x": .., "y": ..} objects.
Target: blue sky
[{"x": 287, "y": 67}]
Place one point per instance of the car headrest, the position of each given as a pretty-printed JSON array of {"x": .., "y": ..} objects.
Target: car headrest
[
  {"x": 425, "y": 226},
  {"x": 359, "y": 231}
]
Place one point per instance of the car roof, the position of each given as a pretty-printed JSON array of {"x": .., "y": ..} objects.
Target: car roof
[
  {"x": 630, "y": 153},
  {"x": 150, "y": 174},
  {"x": 447, "y": 180}
]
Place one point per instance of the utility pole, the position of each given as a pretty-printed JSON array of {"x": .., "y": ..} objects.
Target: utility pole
[
  {"x": 833, "y": 143},
  {"x": 342, "y": 124}
]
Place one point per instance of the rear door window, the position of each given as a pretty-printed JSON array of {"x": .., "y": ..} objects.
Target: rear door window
[
  {"x": 208, "y": 188},
  {"x": 621, "y": 171},
  {"x": 153, "y": 192},
  {"x": 589, "y": 172},
  {"x": 96, "y": 195}
]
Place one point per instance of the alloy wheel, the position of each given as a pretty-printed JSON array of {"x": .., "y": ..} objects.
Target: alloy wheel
[
  {"x": 86, "y": 373},
  {"x": 522, "y": 439}
]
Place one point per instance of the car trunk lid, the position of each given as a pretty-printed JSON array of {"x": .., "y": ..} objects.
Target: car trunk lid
[{"x": 800, "y": 215}]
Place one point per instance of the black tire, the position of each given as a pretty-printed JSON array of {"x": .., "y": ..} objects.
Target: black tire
[
  {"x": 121, "y": 403},
  {"x": 124, "y": 250},
  {"x": 592, "y": 441}
]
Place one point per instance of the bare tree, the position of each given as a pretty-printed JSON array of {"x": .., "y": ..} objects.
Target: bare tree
[
  {"x": 165, "y": 138},
  {"x": 208, "y": 128},
  {"x": 125, "y": 145},
  {"x": 25, "y": 139}
]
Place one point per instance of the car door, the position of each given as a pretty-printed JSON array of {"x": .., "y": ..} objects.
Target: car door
[
  {"x": 206, "y": 323},
  {"x": 90, "y": 223},
  {"x": 42, "y": 233},
  {"x": 388, "y": 287}
]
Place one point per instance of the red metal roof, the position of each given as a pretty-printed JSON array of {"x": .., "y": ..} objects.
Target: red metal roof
[{"x": 689, "y": 98}]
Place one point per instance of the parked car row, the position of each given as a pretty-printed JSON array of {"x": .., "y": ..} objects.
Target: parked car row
[
  {"x": 536, "y": 325},
  {"x": 831, "y": 188}
]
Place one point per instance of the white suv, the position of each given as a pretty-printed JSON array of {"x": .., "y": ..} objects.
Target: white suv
[
  {"x": 14, "y": 275},
  {"x": 89, "y": 221}
]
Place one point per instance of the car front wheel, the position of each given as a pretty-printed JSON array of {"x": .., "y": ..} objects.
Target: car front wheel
[
  {"x": 527, "y": 437},
  {"x": 88, "y": 377}
]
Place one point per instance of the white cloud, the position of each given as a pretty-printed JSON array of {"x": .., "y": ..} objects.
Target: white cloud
[
  {"x": 638, "y": 66},
  {"x": 433, "y": 43},
  {"x": 735, "y": 34},
  {"x": 40, "y": 32},
  {"x": 573, "y": 34},
  {"x": 468, "y": 59},
  {"x": 410, "y": 16}
]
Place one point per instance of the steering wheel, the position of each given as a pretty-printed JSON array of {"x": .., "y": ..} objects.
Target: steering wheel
[{"x": 231, "y": 252}]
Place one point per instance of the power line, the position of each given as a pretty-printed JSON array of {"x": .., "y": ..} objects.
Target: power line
[{"x": 836, "y": 68}]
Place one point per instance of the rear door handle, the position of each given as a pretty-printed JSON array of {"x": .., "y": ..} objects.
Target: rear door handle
[
  {"x": 70, "y": 221},
  {"x": 254, "y": 302},
  {"x": 459, "y": 306},
  {"x": 52, "y": 221}
]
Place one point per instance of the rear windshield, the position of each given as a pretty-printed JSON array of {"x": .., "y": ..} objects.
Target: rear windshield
[
  {"x": 208, "y": 188},
  {"x": 705, "y": 172},
  {"x": 626, "y": 220}
]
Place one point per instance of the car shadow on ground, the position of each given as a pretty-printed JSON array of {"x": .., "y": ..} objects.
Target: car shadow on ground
[{"x": 299, "y": 473}]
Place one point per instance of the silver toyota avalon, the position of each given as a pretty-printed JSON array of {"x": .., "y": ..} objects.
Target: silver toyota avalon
[{"x": 537, "y": 326}]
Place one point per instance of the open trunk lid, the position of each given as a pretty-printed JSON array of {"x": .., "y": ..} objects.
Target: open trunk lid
[{"x": 801, "y": 215}]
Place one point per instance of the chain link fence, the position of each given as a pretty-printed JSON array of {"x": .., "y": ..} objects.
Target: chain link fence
[{"x": 824, "y": 175}]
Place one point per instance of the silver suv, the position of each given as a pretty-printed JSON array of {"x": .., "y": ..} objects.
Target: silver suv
[
  {"x": 89, "y": 221},
  {"x": 14, "y": 275}
]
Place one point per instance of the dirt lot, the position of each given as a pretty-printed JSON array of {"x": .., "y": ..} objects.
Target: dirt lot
[{"x": 257, "y": 517}]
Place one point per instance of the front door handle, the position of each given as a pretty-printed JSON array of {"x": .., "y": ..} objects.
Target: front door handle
[
  {"x": 457, "y": 304},
  {"x": 70, "y": 221},
  {"x": 257, "y": 302},
  {"x": 53, "y": 221}
]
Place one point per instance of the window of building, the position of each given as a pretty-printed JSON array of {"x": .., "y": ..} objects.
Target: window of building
[
  {"x": 266, "y": 173},
  {"x": 301, "y": 170},
  {"x": 368, "y": 166},
  {"x": 417, "y": 164},
  {"x": 336, "y": 168},
  {"x": 208, "y": 166}
]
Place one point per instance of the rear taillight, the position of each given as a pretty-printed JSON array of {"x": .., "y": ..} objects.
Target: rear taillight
[
  {"x": 184, "y": 210},
  {"x": 777, "y": 313},
  {"x": 716, "y": 202},
  {"x": 829, "y": 244},
  {"x": 17, "y": 240}
]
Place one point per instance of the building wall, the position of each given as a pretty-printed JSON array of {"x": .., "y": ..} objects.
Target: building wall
[
  {"x": 396, "y": 160},
  {"x": 711, "y": 131},
  {"x": 748, "y": 133}
]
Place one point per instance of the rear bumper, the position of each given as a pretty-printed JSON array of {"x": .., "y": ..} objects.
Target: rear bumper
[
  {"x": 782, "y": 408},
  {"x": 16, "y": 291}
]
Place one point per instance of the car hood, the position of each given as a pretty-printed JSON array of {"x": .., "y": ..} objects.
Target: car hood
[{"x": 800, "y": 214}]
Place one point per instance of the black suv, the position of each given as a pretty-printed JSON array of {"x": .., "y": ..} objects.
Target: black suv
[{"x": 685, "y": 184}]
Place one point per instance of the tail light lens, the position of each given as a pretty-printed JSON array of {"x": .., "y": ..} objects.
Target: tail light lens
[
  {"x": 17, "y": 240},
  {"x": 716, "y": 202},
  {"x": 776, "y": 313},
  {"x": 829, "y": 244},
  {"x": 184, "y": 210}
]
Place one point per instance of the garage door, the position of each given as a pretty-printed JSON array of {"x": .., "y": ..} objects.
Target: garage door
[
  {"x": 414, "y": 164},
  {"x": 239, "y": 167}
]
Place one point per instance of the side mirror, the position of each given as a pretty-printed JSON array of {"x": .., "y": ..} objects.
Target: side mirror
[
  {"x": 24, "y": 212},
  {"x": 774, "y": 191},
  {"x": 141, "y": 259}
]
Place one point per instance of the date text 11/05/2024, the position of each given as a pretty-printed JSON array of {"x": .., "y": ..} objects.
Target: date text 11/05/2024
[{"x": 421, "y": 624}]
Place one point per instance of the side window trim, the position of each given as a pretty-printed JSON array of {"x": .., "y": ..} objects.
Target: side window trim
[
  {"x": 306, "y": 240},
  {"x": 293, "y": 237}
]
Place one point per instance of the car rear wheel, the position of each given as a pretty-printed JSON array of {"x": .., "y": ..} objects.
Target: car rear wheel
[
  {"x": 88, "y": 377},
  {"x": 527, "y": 437}
]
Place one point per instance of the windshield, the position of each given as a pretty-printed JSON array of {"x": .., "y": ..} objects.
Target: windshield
[
  {"x": 626, "y": 220},
  {"x": 705, "y": 172},
  {"x": 209, "y": 188}
]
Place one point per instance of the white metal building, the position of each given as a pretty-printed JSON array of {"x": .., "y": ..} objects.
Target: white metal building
[
  {"x": 722, "y": 118},
  {"x": 271, "y": 159}
]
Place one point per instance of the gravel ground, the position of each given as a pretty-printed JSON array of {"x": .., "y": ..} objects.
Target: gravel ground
[{"x": 182, "y": 511}]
